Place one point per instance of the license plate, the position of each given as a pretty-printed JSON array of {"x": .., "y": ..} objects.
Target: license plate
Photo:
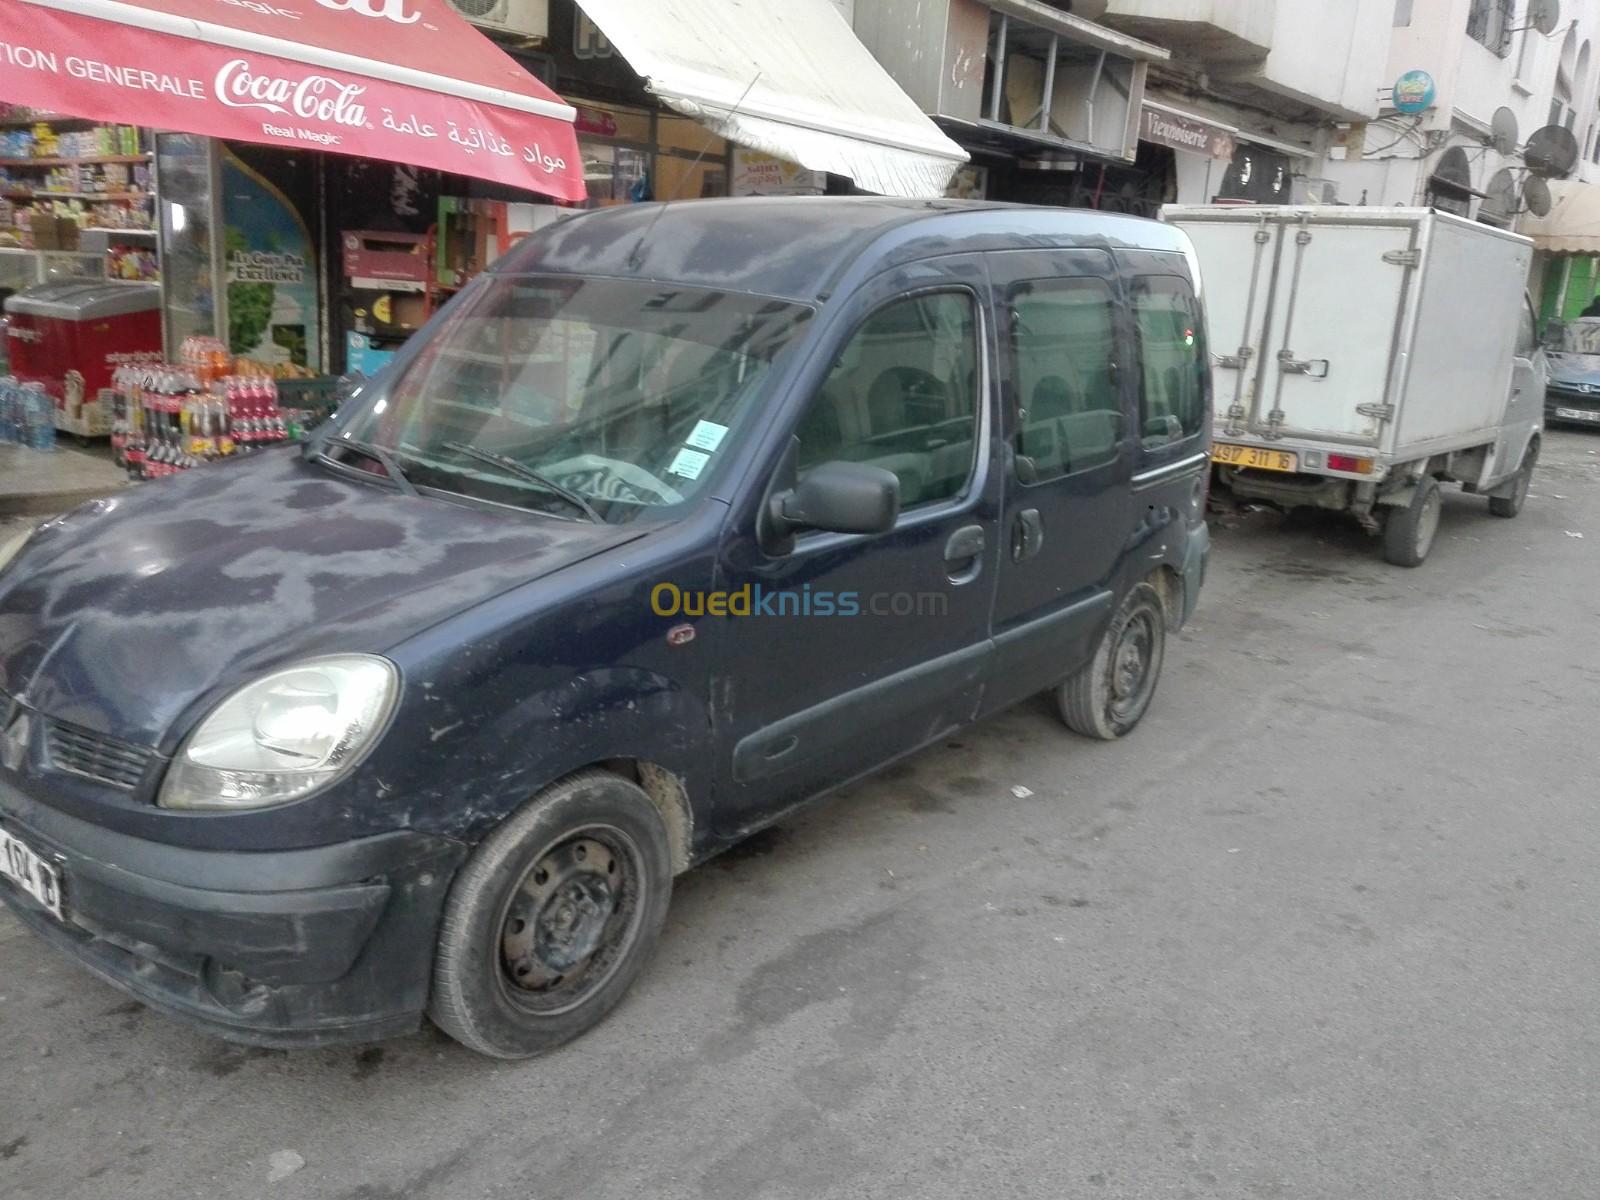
[
  {"x": 28, "y": 870},
  {"x": 1578, "y": 414},
  {"x": 1254, "y": 456}
]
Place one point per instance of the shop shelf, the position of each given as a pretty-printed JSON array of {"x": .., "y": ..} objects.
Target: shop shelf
[
  {"x": 118, "y": 232},
  {"x": 91, "y": 160},
  {"x": 44, "y": 118},
  {"x": 114, "y": 197}
]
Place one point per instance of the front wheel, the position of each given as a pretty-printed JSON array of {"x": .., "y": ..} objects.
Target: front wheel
[
  {"x": 1510, "y": 506},
  {"x": 552, "y": 918},
  {"x": 1108, "y": 696},
  {"x": 1408, "y": 532}
]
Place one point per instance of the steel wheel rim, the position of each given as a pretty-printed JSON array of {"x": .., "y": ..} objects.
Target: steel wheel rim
[
  {"x": 570, "y": 921},
  {"x": 1428, "y": 521},
  {"x": 1132, "y": 664}
]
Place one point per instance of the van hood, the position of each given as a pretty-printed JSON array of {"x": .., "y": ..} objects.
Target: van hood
[{"x": 124, "y": 612}]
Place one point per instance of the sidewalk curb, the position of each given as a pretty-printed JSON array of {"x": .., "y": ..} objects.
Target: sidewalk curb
[{"x": 45, "y": 504}]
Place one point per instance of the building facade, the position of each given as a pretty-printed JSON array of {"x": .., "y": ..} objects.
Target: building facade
[{"x": 1371, "y": 102}]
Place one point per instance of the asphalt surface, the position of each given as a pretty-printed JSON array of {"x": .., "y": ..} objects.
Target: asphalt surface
[{"x": 1325, "y": 926}]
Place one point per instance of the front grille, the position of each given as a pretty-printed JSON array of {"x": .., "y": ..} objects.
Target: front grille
[{"x": 95, "y": 756}]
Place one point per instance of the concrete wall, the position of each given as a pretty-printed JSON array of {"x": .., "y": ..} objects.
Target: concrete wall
[{"x": 1330, "y": 54}]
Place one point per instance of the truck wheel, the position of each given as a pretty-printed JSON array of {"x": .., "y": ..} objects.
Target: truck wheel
[
  {"x": 1408, "y": 532},
  {"x": 1108, "y": 696},
  {"x": 552, "y": 918},
  {"x": 1510, "y": 506}
]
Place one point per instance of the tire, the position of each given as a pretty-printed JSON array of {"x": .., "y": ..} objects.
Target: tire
[
  {"x": 1510, "y": 506},
  {"x": 1107, "y": 698},
  {"x": 552, "y": 918},
  {"x": 1408, "y": 532}
]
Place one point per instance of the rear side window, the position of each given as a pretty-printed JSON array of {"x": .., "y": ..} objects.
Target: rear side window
[
  {"x": 1172, "y": 361},
  {"x": 903, "y": 395},
  {"x": 1063, "y": 340}
]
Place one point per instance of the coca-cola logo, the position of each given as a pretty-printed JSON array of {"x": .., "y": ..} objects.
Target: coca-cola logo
[
  {"x": 314, "y": 98},
  {"x": 388, "y": 10}
]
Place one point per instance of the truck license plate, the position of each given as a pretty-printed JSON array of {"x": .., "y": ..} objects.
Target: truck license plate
[
  {"x": 1254, "y": 456},
  {"x": 22, "y": 865},
  {"x": 1578, "y": 414}
]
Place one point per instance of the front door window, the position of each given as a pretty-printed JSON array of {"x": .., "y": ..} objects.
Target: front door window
[{"x": 903, "y": 395}]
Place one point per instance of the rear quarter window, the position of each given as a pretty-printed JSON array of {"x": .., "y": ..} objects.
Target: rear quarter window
[{"x": 1172, "y": 360}]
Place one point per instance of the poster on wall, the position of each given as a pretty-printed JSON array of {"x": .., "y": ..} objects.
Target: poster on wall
[
  {"x": 269, "y": 269},
  {"x": 758, "y": 174}
]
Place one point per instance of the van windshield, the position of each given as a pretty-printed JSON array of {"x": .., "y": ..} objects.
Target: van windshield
[{"x": 594, "y": 398}]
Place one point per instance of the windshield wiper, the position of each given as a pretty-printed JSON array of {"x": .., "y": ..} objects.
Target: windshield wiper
[
  {"x": 523, "y": 471},
  {"x": 382, "y": 457}
]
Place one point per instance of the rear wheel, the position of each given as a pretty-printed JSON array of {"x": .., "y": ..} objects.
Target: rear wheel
[
  {"x": 1510, "y": 506},
  {"x": 1408, "y": 532},
  {"x": 552, "y": 918},
  {"x": 1113, "y": 691}
]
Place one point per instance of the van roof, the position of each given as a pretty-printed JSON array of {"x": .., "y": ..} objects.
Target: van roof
[{"x": 798, "y": 247}]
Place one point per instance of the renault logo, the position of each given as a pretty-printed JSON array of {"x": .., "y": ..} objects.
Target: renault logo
[{"x": 14, "y": 742}]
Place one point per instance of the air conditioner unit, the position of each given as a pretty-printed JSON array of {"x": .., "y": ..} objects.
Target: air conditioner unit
[{"x": 519, "y": 18}]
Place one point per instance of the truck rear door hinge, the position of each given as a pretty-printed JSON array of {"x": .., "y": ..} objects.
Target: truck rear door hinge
[
  {"x": 1235, "y": 362},
  {"x": 1383, "y": 412},
  {"x": 1403, "y": 258}
]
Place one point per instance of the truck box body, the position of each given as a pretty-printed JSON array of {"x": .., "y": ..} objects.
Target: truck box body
[{"x": 1387, "y": 334}]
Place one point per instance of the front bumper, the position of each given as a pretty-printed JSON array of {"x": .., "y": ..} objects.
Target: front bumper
[
  {"x": 1582, "y": 408},
  {"x": 284, "y": 948}
]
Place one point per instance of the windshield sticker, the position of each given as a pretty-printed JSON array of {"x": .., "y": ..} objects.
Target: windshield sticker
[
  {"x": 707, "y": 435},
  {"x": 689, "y": 463}
]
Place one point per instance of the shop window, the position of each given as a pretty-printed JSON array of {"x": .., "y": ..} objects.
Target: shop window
[
  {"x": 1172, "y": 361},
  {"x": 1068, "y": 404},
  {"x": 1259, "y": 175},
  {"x": 903, "y": 395}
]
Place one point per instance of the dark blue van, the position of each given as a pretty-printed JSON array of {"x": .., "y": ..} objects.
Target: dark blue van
[{"x": 676, "y": 519}]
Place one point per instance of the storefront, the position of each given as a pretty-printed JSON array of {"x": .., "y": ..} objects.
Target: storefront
[
  {"x": 1566, "y": 239},
  {"x": 225, "y": 227},
  {"x": 311, "y": 209}
]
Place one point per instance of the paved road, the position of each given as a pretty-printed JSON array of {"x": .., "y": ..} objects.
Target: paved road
[{"x": 1325, "y": 927}]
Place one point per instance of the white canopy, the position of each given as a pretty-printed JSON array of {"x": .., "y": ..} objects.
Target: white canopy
[
  {"x": 812, "y": 93},
  {"x": 1573, "y": 223}
]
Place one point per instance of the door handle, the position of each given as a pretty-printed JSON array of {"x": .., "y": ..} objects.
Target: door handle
[
  {"x": 963, "y": 553},
  {"x": 1027, "y": 534}
]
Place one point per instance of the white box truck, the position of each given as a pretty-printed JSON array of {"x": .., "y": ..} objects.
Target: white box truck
[{"x": 1363, "y": 356}]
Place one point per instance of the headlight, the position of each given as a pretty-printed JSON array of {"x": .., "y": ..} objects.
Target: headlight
[
  {"x": 285, "y": 735},
  {"x": 12, "y": 546}
]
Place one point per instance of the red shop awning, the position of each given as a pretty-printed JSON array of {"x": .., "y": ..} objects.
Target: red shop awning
[{"x": 402, "y": 80}]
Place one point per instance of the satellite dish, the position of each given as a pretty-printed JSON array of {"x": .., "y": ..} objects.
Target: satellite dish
[
  {"x": 1551, "y": 152},
  {"x": 1503, "y": 135},
  {"x": 1536, "y": 195},
  {"x": 1544, "y": 15},
  {"x": 1500, "y": 203}
]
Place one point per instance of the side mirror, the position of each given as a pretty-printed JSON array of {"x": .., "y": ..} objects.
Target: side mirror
[{"x": 839, "y": 497}]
